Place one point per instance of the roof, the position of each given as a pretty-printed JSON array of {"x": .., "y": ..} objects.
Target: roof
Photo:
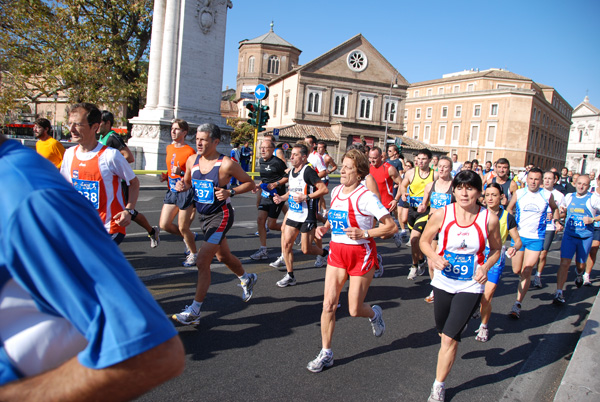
[
  {"x": 491, "y": 73},
  {"x": 410, "y": 143},
  {"x": 586, "y": 103},
  {"x": 270, "y": 38},
  {"x": 300, "y": 131},
  {"x": 229, "y": 108}
]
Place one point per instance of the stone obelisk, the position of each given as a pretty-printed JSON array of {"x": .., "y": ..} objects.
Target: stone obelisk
[{"x": 185, "y": 73}]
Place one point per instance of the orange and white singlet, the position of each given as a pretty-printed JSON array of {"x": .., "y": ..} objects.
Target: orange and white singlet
[{"x": 464, "y": 248}]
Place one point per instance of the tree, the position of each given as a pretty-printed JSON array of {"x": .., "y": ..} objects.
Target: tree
[
  {"x": 242, "y": 131},
  {"x": 91, "y": 50}
]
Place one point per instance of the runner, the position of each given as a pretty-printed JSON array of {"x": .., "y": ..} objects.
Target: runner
[
  {"x": 318, "y": 164},
  {"x": 96, "y": 171},
  {"x": 508, "y": 224},
  {"x": 550, "y": 179},
  {"x": 175, "y": 203},
  {"x": 582, "y": 210},
  {"x": 412, "y": 190},
  {"x": 501, "y": 176},
  {"x": 401, "y": 212},
  {"x": 208, "y": 173},
  {"x": 595, "y": 244},
  {"x": 273, "y": 180},
  {"x": 46, "y": 145},
  {"x": 304, "y": 190},
  {"x": 529, "y": 206},
  {"x": 438, "y": 194},
  {"x": 463, "y": 228},
  {"x": 330, "y": 166},
  {"x": 353, "y": 251}
]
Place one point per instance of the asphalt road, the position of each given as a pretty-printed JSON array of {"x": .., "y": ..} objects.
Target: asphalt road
[{"x": 259, "y": 350}]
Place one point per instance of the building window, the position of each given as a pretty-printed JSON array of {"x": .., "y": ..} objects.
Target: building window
[
  {"x": 534, "y": 110},
  {"x": 251, "y": 64},
  {"x": 429, "y": 92},
  {"x": 418, "y": 113},
  {"x": 470, "y": 87},
  {"x": 273, "y": 65},
  {"x": 477, "y": 111},
  {"x": 489, "y": 156},
  {"x": 580, "y": 135},
  {"x": 275, "y": 106},
  {"x": 456, "y": 89},
  {"x": 457, "y": 111},
  {"x": 389, "y": 110},
  {"x": 494, "y": 109},
  {"x": 442, "y": 135},
  {"x": 491, "y": 134},
  {"x": 416, "y": 94},
  {"x": 287, "y": 103},
  {"x": 472, "y": 154},
  {"x": 429, "y": 112},
  {"x": 365, "y": 103},
  {"x": 313, "y": 104},
  {"x": 444, "y": 111},
  {"x": 474, "y": 134},
  {"x": 426, "y": 133},
  {"x": 455, "y": 134},
  {"x": 357, "y": 61},
  {"x": 440, "y": 90},
  {"x": 416, "y": 132},
  {"x": 340, "y": 103}
]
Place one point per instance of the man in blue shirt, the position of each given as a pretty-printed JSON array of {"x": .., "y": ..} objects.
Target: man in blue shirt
[{"x": 75, "y": 321}]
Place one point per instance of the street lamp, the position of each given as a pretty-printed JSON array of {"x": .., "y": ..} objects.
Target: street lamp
[
  {"x": 55, "y": 96},
  {"x": 388, "y": 112}
]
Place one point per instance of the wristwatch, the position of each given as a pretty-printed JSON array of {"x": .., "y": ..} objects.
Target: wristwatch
[
  {"x": 132, "y": 212},
  {"x": 366, "y": 234},
  {"x": 232, "y": 191}
]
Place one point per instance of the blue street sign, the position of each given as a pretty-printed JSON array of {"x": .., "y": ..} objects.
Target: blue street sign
[
  {"x": 261, "y": 92},
  {"x": 276, "y": 134}
]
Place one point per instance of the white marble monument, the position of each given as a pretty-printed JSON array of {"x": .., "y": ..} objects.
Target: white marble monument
[{"x": 185, "y": 73}]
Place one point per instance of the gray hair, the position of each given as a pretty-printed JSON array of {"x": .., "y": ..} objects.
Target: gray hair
[{"x": 212, "y": 129}]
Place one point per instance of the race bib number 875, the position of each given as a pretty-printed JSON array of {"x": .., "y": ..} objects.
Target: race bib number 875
[{"x": 338, "y": 221}]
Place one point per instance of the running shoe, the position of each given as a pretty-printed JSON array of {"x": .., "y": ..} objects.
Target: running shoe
[
  {"x": 154, "y": 238},
  {"x": 559, "y": 299},
  {"x": 257, "y": 234},
  {"x": 190, "y": 260},
  {"x": 188, "y": 316},
  {"x": 320, "y": 261},
  {"x": 278, "y": 263},
  {"x": 482, "y": 334},
  {"x": 429, "y": 299},
  {"x": 261, "y": 254},
  {"x": 579, "y": 280},
  {"x": 323, "y": 360},
  {"x": 187, "y": 249},
  {"x": 379, "y": 268},
  {"x": 247, "y": 286},
  {"x": 515, "y": 311},
  {"x": 377, "y": 322},
  {"x": 405, "y": 236},
  {"x": 586, "y": 280},
  {"x": 476, "y": 314},
  {"x": 438, "y": 393},
  {"x": 537, "y": 282},
  {"x": 421, "y": 268},
  {"x": 298, "y": 239},
  {"x": 286, "y": 281},
  {"x": 412, "y": 273},
  {"x": 398, "y": 240}
]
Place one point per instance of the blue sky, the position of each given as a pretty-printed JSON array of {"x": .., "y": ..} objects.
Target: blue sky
[{"x": 556, "y": 43}]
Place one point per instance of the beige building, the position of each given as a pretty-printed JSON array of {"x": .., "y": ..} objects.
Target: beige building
[
  {"x": 490, "y": 114},
  {"x": 584, "y": 139},
  {"x": 349, "y": 94}
]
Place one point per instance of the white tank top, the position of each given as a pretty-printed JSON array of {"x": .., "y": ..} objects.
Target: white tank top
[
  {"x": 530, "y": 212},
  {"x": 464, "y": 248}
]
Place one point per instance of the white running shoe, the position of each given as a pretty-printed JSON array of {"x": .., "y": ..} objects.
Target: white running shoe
[
  {"x": 261, "y": 254},
  {"x": 405, "y": 236},
  {"x": 190, "y": 260},
  {"x": 188, "y": 316},
  {"x": 286, "y": 281},
  {"x": 322, "y": 261},
  {"x": 398, "y": 240},
  {"x": 586, "y": 280},
  {"x": 247, "y": 287},
  {"x": 421, "y": 268},
  {"x": 155, "y": 238},
  {"x": 323, "y": 360},
  {"x": 377, "y": 322},
  {"x": 412, "y": 273},
  {"x": 515, "y": 311},
  {"x": 379, "y": 269},
  {"x": 278, "y": 263},
  {"x": 438, "y": 394},
  {"x": 429, "y": 299},
  {"x": 537, "y": 282},
  {"x": 482, "y": 334}
]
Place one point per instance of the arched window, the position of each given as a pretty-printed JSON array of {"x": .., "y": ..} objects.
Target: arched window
[
  {"x": 251, "y": 64},
  {"x": 273, "y": 66}
]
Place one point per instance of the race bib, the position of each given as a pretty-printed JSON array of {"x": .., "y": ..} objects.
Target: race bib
[
  {"x": 415, "y": 201},
  {"x": 172, "y": 183},
  {"x": 575, "y": 223},
  {"x": 89, "y": 189},
  {"x": 265, "y": 192},
  {"x": 204, "y": 191},
  {"x": 338, "y": 221},
  {"x": 439, "y": 200},
  {"x": 293, "y": 205},
  {"x": 461, "y": 268}
]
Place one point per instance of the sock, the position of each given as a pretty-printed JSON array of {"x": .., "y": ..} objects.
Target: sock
[
  {"x": 291, "y": 274},
  {"x": 325, "y": 253},
  {"x": 422, "y": 261},
  {"x": 518, "y": 303},
  {"x": 244, "y": 277},
  {"x": 262, "y": 248},
  {"x": 483, "y": 325},
  {"x": 538, "y": 274},
  {"x": 439, "y": 384},
  {"x": 328, "y": 351},
  {"x": 151, "y": 233},
  {"x": 196, "y": 306},
  {"x": 559, "y": 292}
]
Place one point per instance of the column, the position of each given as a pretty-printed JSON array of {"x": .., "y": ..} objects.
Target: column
[
  {"x": 169, "y": 56},
  {"x": 156, "y": 43}
]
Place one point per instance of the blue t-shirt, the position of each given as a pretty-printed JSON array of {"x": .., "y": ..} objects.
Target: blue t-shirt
[{"x": 71, "y": 291}]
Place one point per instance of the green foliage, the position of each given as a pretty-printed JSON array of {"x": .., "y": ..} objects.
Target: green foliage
[
  {"x": 242, "y": 131},
  {"x": 89, "y": 50}
]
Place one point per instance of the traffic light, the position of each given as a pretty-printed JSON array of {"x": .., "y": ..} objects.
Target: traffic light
[
  {"x": 597, "y": 152},
  {"x": 263, "y": 118},
  {"x": 252, "y": 113}
]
